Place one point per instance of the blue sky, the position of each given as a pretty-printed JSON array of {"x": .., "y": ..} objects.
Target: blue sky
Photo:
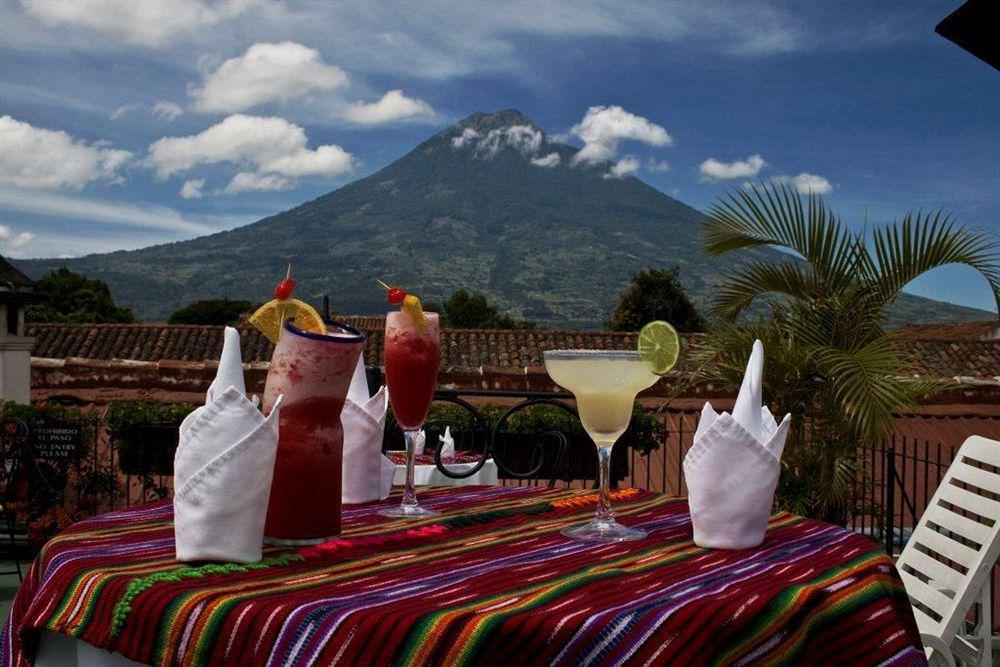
[{"x": 131, "y": 124}]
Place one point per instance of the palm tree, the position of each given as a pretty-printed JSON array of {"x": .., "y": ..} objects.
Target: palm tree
[{"x": 831, "y": 361}]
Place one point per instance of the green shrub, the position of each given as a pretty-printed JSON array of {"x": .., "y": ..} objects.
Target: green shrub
[{"x": 644, "y": 434}]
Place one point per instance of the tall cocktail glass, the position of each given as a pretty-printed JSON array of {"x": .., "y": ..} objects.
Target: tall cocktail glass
[
  {"x": 605, "y": 383},
  {"x": 313, "y": 371},
  {"x": 412, "y": 357}
]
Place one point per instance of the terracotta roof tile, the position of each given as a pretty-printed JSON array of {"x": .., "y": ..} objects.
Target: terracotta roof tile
[
  {"x": 461, "y": 349},
  {"x": 988, "y": 330}
]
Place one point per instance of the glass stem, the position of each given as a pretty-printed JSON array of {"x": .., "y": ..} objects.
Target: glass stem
[
  {"x": 604, "y": 472},
  {"x": 409, "y": 489}
]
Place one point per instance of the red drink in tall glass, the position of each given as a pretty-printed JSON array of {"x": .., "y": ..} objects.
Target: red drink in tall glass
[
  {"x": 313, "y": 371},
  {"x": 412, "y": 356}
]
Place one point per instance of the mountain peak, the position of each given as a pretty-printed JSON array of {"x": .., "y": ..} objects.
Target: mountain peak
[
  {"x": 485, "y": 135},
  {"x": 483, "y": 122}
]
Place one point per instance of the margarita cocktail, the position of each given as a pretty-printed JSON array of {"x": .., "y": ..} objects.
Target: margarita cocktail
[
  {"x": 605, "y": 383},
  {"x": 412, "y": 356}
]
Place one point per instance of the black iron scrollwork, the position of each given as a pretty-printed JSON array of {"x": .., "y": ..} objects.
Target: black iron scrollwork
[{"x": 558, "y": 445}]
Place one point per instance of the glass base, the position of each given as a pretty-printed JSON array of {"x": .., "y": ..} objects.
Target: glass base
[
  {"x": 407, "y": 512},
  {"x": 604, "y": 531}
]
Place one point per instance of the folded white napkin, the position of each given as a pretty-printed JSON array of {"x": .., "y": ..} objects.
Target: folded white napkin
[
  {"x": 732, "y": 468},
  {"x": 367, "y": 473},
  {"x": 223, "y": 469},
  {"x": 447, "y": 444}
]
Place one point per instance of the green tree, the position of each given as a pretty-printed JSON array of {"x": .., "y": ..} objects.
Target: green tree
[
  {"x": 71, "y": 298},
  {"x": 829, "y": 359},
  {"x": 471, "y": 310},
  {"x": 655, "y": 295},
  {"x": 212, "y": 311}
]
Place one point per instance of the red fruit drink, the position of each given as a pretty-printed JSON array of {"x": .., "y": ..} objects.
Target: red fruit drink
[
  {"x": 313, "y": 371},
  {"x": 412, "y": 357}
]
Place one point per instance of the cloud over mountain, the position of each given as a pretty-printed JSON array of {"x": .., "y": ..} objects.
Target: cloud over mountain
[
  {"x": 525, "y": 139},
  {"x": 273, "y": 149},
  {"x": 604, "y": 128},
  {"x": 547, "y": 161},
  {"x": 279, "y": 72},
  {"x": 393, "y": 106}
]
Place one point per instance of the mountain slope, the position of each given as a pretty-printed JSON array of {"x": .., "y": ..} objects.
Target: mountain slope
[{"x": 466, "y": 208}]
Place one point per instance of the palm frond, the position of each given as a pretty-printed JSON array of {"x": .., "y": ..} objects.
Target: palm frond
[
  {"x": 867, "y": 385},
  {"x": 757, "y": 279},
  {"x": 926, "y": 241},
  {"x": 774, "y": 214}
]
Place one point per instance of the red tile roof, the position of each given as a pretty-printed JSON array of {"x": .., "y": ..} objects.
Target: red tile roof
[
  {"x": 461, "y": 348},
  {"x": 988, "y": 330}
]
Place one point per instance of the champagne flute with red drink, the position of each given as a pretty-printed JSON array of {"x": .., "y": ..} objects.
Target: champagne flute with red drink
[{"x": 412, "y": 356}]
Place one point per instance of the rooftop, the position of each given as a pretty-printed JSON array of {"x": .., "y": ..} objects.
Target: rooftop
[
  {"x": 462, "y": 349},
  {"x": 961, "y": 331}
]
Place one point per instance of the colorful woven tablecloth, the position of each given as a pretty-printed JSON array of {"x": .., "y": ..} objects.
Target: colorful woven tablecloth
[{"x": 490, "y": 581}]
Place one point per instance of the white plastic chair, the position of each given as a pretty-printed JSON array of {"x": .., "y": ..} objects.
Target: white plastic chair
[{"x": 947, "y": 562}]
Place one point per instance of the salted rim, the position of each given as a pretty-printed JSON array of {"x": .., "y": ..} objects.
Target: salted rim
[{"x": 591, "y": 354}]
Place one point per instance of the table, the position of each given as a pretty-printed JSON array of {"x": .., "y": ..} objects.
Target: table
[
  {"x": 426, "y": 473},
  {"x": 490, "y": 581}
]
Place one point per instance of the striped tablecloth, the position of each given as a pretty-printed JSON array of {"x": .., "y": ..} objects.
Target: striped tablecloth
[{"x": 490, "y": 581}]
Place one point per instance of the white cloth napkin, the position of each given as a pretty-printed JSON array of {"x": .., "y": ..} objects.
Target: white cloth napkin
[
  {"x": 732, "y": 468},
  {"x": 223, "y": 469},
  {"x": 367, "y": 472},
  {"x": 447, "y": 444}
]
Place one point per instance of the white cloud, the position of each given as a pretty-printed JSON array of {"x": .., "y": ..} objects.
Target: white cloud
[
  {"x": 11, "y": 239},
  {"x": 33, "y": 157},
  {"x": 465, "y": 139},
  {"x": 267, "y": 72},
  {"x": 603, "y": 128},
  {"x": 714, "y": 169},
  {"x": 657, "y": 166},
  {"x": 147, "y": 216},
  {"x": 247, "y": 181},
  {"x": 149, "y": 23},
  {"x": 122, "y": 110},
  {"x": 523, "y": 138},
  {"x": 393, "y": 106},
  {"x": 625, "y": 167},
  {"x": 167, "y": 111},
  {"x": 192, "y": 188},
  {"x": 550, "y": 160},
  {"x": 263, "y": 146},
  {"x": 806, "y": 183}
]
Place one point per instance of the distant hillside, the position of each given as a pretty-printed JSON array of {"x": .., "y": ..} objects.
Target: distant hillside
[{"x": 472, "y": 207}]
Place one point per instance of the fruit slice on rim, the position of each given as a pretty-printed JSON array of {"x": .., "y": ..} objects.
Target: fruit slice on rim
[
  {"x": 659, "y": 346},
  {"x": 270, "y": 317},
  {"x": 411, "y": 306}
]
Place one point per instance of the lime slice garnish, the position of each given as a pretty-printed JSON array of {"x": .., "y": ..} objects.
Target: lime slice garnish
[{"x": 659, "y": 346}]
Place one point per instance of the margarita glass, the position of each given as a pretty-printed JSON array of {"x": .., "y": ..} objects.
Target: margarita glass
[
  {"x": 412, "y": 357},
  {"x": 605, "y": 383},
  {"x": 313, "y": 371}
]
